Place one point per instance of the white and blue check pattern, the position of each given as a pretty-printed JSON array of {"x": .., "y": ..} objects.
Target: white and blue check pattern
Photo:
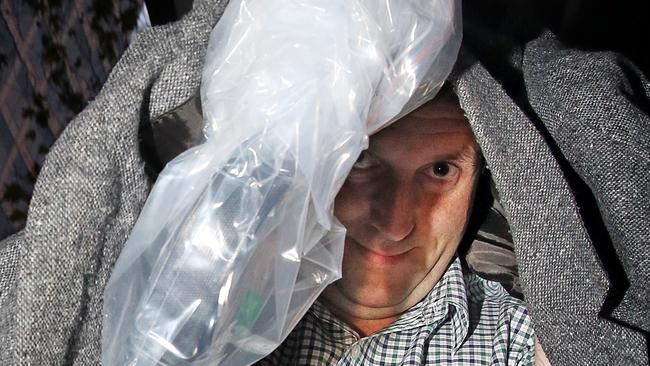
[{"x": 464, "y": 320}]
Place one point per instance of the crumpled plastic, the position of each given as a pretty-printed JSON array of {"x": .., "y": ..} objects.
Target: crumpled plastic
[{"x": 237, "y": 238}]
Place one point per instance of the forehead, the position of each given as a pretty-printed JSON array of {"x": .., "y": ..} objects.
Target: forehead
[
  {"x": 438, "y": 125},
  {"x": 436, "y": 116}
]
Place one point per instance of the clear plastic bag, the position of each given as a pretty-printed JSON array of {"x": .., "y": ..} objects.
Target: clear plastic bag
[{"x": 237, "y": 238}]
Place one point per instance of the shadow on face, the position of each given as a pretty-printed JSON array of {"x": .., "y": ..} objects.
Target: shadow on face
[{"x": 405, "y": 205}]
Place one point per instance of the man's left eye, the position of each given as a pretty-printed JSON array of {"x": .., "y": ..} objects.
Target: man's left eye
[{"x": 441, "y": 169}]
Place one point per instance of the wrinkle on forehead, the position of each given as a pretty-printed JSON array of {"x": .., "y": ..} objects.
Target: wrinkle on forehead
[
  {"x": 437, "y": 130},
  {"x": 436, "y": 116}
]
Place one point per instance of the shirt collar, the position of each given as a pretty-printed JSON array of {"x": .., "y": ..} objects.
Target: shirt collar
[
  {"x": 447, "y": 299},
  {"x": 457, "y": 298}
]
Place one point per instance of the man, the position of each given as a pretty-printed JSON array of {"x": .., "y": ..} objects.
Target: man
[
  {"x": 404, "y": 296},
  {"x": 564, "y": 131}
]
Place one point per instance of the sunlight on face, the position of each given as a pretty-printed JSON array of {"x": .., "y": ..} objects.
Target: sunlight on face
[{"x": 405, "y": 205}]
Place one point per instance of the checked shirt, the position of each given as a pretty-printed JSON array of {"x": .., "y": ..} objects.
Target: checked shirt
[{"x": 464, "y": 320}]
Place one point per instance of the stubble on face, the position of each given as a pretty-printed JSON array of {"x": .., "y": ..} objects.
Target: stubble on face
[{"x": 405, "y": 206}]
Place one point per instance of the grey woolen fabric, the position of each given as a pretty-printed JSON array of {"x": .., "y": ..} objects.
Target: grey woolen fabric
[
  {"x": 579, "y": 107},
  {"x": 87, "y": 198},
  {"x": 586, "y": 122},
  {"x": 9, "y": 259},
  {"x": 604, "y": 133}
]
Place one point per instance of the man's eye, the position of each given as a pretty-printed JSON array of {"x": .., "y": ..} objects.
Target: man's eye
[
  {"x": 440, "y": 169},
  {"x": 364, "y": 161}
]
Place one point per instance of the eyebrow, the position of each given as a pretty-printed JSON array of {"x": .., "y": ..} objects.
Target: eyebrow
[
  {"x": 465, "y": 154},
  {"x": 472, "y": 154}
]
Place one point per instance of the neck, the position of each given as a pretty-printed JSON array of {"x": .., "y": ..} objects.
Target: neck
[{"x": 367, "y": 319}]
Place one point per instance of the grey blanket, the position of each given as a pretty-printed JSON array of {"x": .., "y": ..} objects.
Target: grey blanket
[{"x": 569, "y": 154}]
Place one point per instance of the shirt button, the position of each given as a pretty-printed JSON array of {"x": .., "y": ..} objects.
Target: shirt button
[{"x": 355, "y": 351}]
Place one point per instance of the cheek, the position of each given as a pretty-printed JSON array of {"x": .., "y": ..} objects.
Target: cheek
[
  {"x": 351, "y": 203},
  {"x": 443, "y": 216}
]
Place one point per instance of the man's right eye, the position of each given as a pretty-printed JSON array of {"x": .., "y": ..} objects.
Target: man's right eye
[{"x": 365, "y": 161}]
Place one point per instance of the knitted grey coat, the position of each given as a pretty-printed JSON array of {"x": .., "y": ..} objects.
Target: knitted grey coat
[{"x": 569, "y": 154}]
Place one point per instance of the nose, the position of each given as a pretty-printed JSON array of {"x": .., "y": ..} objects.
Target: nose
[{"x": 392, "y": 210}]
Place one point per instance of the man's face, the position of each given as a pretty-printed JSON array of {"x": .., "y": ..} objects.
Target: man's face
[{"x": 405, "y": 205}]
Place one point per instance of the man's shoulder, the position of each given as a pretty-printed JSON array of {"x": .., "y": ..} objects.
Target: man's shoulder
[
  {"x": 487, "y": 295},
  {"x": 493, "y": 309},
  {"x": 483, "y": 289},
  {"x": 498, "y": 324}
]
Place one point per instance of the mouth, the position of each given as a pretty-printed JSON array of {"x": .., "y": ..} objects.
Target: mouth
[{"x": 379, "y": 257}]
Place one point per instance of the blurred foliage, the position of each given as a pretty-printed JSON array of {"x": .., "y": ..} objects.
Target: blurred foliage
[{"x": 110, "y": 22}]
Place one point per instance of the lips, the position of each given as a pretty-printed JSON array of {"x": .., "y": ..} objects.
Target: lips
[{"x": 381, "y": 257}]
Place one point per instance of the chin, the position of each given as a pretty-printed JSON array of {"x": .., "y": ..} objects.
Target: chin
[{"x": 373, "y": 297}]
